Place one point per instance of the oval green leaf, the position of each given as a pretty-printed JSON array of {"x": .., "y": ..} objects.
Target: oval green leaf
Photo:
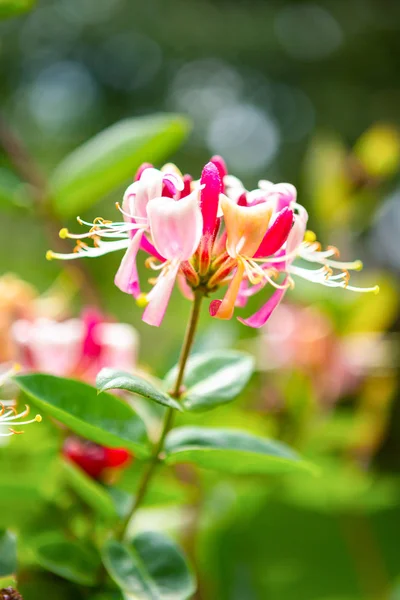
[
  {"x": 111, "y": 158},
  {"x": 231, "y": 450},
  {"x": 8, "y": 554},
  {"x": 214, "y": 378},
  {"x": 106, "y": 420},
  {"x": 110, "y": 379},
  {"x": 151, "y": 567},
  {"x": 68, "y": 559}
]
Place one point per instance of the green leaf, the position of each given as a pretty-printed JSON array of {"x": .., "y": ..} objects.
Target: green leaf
[
  {"x": 151, "y": 567},
  {"x": 11, "y": 8},
  {"x": 106, "y": 420},
  {"x": 91, "y": 492},
  {"x": 111, "y": 158},
  {"x": 69, "y": 559},
  {"x": 231, "y": 451},
  {"x": 110, "y": 379},
  {"x": 8, "y": 554},
  {"x": 214, "y": 378}
]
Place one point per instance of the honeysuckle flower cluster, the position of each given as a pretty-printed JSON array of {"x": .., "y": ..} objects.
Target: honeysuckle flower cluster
[
  {"x": 208, "y": 234},
  {"x": 77, "y": 348},
  {"x": 10, "y": 418}
]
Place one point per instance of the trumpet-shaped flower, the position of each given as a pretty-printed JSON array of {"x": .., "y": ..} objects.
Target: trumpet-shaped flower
[{"x": 210, "y": 234}]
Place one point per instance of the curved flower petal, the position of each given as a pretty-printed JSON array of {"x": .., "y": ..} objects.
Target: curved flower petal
[
  {"x": 140, "y": 192},
  {"x": 284, "y": 194},
  {"x": 219, "y": 162},
  {"x": 159, "y": 296},
  {"x": 127, "y": 278},
  {"x": 277, "y": 234},
  {"x": 298, "y": 230},
  {"x": 148, "y": 247},
  {"x": 261, "y": 316},
  {"x": 223, "y": 309},
  {"x": 209, "y": 197},
  {"x": 176, "y": 226},
  {"x": 245, "y": 226}
]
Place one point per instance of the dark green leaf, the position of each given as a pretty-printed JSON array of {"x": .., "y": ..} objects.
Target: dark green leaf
[
  {"x": 69, "y": 559},
  {"x": 11, "y": 8},
  {"x": 230, "y": 450},
  {"x": 214, "y": 378},
  {"x": 106, "y": 420},
  {"x": 8, "y": 554},
  {"x": 110, "y": 379},
  {"x": 151, "y": 567},
  {"x": 111, "y": 158}
]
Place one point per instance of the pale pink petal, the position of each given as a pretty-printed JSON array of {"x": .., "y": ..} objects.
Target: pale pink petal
[
  {"x": 176, "y": 226},
  {"x": 140, "y": 170},
  {"x": 296, "y": 235},
  {"x": 148, "y": 247},
  {"x": 119, "y": 345},
  {"x": 127, "y": 279},
  {"x": 287, "y": 194},
  {"x": 159, "y": 296},
  {"x": 139, "y": 193},
  {"x": 184, "y": 287},
  {"x": 261, "y": 316},
  {"x": 55, "y": 348}
]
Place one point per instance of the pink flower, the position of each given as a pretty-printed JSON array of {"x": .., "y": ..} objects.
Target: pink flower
[
  {"x": 210, "y": 234},
  {"x": 75, "y": 347}
]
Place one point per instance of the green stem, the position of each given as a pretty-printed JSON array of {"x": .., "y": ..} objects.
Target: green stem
[{"x": 176, "y": 392}]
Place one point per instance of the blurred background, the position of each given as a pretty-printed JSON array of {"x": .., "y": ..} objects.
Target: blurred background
[{"x": 305, "y": 92}]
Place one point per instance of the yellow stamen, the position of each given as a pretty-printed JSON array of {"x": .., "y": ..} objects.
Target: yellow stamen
[
  {"x": 142, "y": 301},
  {"x": 358, "y": 265},
  {"x": 49, "y": 255},
  {"x": 310, "y": 237},
  {"x": 63, "y": 233},
  {"x": 38, "y": 418}
]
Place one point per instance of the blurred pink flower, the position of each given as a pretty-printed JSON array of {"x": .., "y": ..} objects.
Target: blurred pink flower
[{"x": 75, "y": 347}]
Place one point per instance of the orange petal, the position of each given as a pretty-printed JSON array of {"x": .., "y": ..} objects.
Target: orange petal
[{"x": 245, "y": 226}]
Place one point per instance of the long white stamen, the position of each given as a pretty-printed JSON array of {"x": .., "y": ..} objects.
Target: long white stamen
[{"x": 91, "y": 252}]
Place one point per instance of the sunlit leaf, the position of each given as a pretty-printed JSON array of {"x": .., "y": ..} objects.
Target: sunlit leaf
[
  {"x": 105, "y": 420},
  {"x": 110, "y": 159},
  {"x": 231, "y": 451},
  {"x": 214, "y": 378},
  {"x": 110, "y": 379}
]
